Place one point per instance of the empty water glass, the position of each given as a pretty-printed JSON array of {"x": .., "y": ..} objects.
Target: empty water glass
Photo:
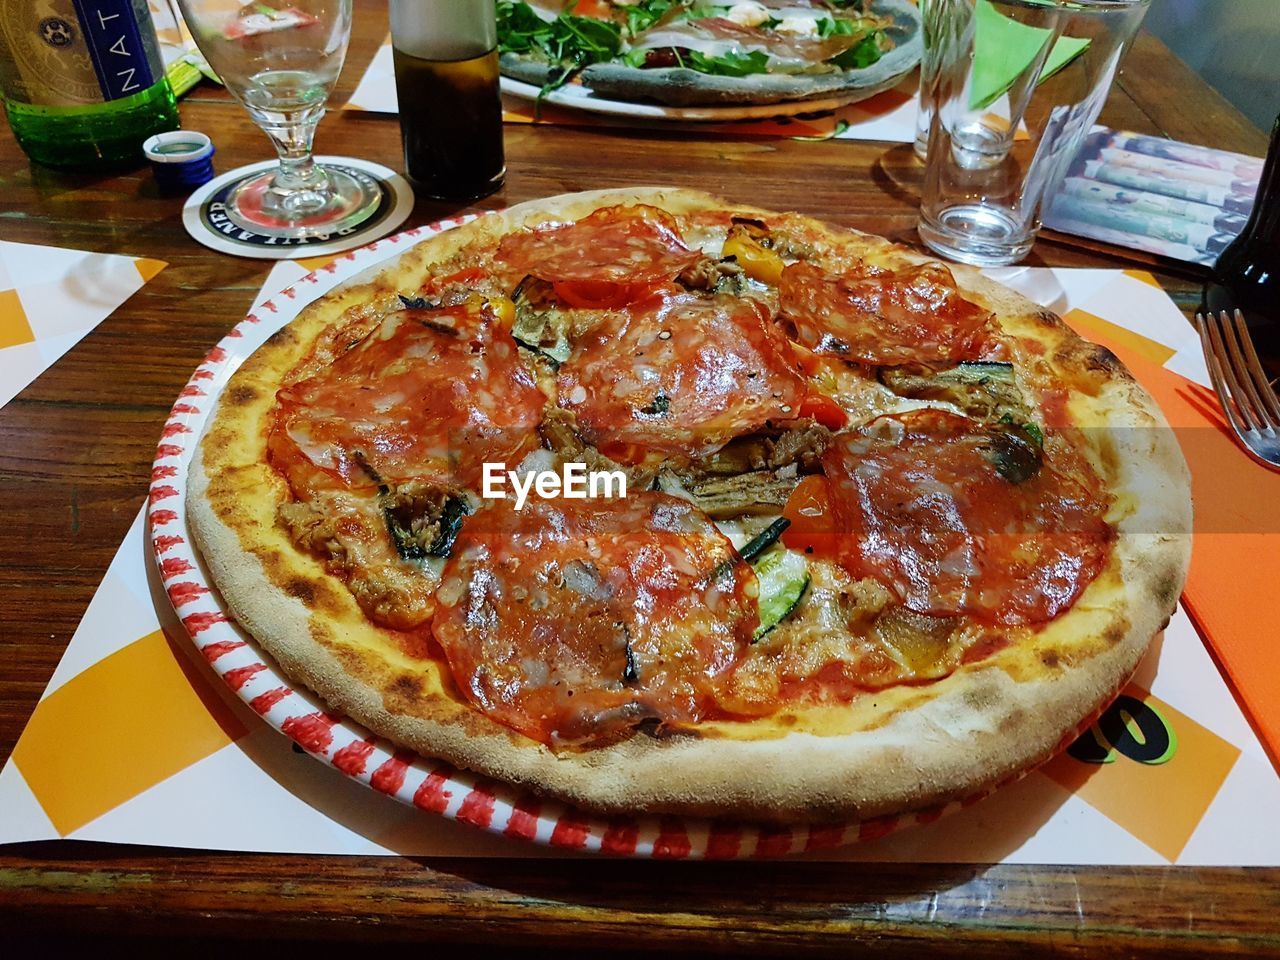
[
  {"x": 1018, "y": 85},
  {"x": 939, "y": 50},
  {"x": 280, "y": 59}
]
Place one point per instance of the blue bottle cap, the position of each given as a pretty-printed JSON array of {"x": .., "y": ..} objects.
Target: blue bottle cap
[{"x": 180, "y": 159}]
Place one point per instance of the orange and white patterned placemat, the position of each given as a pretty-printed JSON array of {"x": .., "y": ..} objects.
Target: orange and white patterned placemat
[
  {"x": 136, "y": 741},
  {"x": 50, "y": 297}
]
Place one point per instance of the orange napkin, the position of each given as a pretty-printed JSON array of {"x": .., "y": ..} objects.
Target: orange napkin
[{"x": 1235, "y": 558}]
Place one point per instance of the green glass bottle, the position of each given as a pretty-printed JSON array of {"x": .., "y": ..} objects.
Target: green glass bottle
[{"x": 83, "y": 80}]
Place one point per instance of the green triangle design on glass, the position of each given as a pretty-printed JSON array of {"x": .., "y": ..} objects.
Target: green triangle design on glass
[{"x": 1004, "y": 48}]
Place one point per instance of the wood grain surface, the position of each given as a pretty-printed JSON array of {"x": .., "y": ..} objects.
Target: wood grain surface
[{"x": 75, "y": 456}]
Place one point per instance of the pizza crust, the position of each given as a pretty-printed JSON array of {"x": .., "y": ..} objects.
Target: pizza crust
[{"x": 904, "y": 748}]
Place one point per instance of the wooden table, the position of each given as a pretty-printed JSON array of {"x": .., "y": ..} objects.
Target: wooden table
[{"x": 75, "y": 457}]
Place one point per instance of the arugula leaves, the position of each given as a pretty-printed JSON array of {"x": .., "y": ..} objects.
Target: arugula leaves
[
  {"x": 643, "y": 15},
  {"x": 520, "y": 30},
  {"x": 568, "y": 42},
  {"x": 730, "y": 64},
  {"x": 862, "y": 54},
  {"x": 831, "y": 27}
]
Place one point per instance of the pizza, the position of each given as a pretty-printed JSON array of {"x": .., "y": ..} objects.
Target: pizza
[
  {"x": 698, "y": 53},
  {"x": 872, "y": 533}
]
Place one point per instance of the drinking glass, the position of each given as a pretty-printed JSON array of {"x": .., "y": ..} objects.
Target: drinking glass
[
  {"x": 939, "y": 49},
  {"x": 280, "y": 59},
  {"x": 1022, "y": 83}
]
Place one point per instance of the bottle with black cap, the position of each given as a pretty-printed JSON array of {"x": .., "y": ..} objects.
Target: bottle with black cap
[
  {"x": 446, "y": 62},
  {"x": 1247, "y": 274}
]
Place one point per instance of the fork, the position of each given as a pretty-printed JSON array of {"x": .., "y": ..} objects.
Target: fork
[{"x": 1248, "y": 400}]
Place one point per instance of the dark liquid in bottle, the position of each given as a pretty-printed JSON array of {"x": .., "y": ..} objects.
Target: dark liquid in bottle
[{"x": 451, "y": 124}]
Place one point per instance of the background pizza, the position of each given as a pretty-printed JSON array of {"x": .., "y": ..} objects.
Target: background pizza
[
  {"x": 695, "y": 52},
  {"x": 879, "y": 516}
]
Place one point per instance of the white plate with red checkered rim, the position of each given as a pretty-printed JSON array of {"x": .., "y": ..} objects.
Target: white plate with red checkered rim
[{"x": 428, "y": 784}]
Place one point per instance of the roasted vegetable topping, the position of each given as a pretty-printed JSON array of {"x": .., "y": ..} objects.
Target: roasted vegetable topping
[
  {"x": 715, "y": 276},
  {"x": 746, "y": 493},
  {"x": 764, "y": 539},
  {"x": 1016, "y": 452},
  {"x": 783, "y": 578},
  {"x": 801, "y": 447},
  {"x": 423, "y": 520},
  {"x": 984, "y": 391},
  {"x": 759, "y": 262},
  {"x": 539, "y": 324}
]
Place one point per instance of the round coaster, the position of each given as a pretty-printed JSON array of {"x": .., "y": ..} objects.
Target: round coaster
[{"x": 204, "y": 214}]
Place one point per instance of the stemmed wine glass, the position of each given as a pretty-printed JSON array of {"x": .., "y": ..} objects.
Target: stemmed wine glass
[{"x": 280, "y": 59}]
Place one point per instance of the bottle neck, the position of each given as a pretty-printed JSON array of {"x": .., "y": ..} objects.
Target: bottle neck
[{"x": 1264, "y": 222}]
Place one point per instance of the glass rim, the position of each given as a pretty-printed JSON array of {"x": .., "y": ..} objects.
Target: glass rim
[
  {"x": 1082, "y": 4},
  {"x": 1068, "y": 4},
  {"x": 1094, "y": 4}
]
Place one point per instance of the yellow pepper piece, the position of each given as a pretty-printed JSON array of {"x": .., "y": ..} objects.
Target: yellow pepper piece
[
  {"x": 504, "y": 311},
  {"x": 758, "y": 262}
]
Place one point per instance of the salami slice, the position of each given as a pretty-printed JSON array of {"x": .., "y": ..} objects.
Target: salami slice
[
  {"x": 921, "y": 506},
  {"x": 428, "y": 395},
  {"x": 636, "y": 244},
  {"x": 574, "y": 621},
  {"x": 913, "y": 315},
  {"x": 681, "y": 373}
]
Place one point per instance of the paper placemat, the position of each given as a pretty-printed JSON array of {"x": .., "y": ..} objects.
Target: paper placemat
[
  {"x": 889, "y": 116},
  {"x": 1161, "y": 196},
  {"x": 50, "y": 297},
  {"x": 189, "y": 765},
  {"x": 171, "y": 30}
]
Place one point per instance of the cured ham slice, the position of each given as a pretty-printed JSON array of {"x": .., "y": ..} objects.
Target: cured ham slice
[
  {"x": 920, "y": 504},
  {"x": 428, "y": 395},
  {"x": 573, "y": 621},
  {"x": 636, "y": 244},
  {"x": 680, "y": 373},
  {"x": 912, "y": 315}
]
